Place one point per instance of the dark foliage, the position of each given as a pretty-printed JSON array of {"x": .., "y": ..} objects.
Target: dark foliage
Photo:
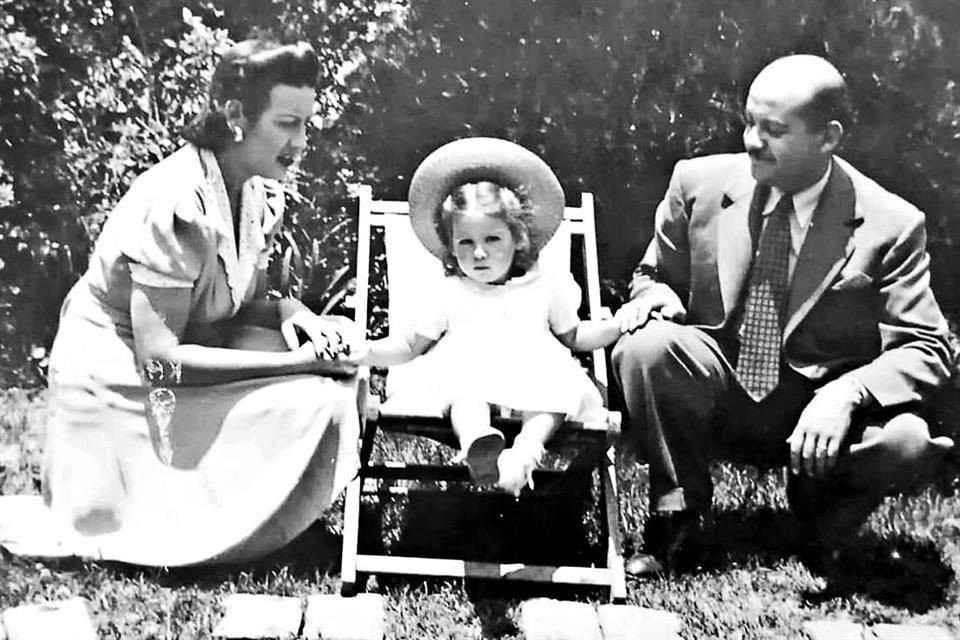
[{"x": 610, "y": 92}]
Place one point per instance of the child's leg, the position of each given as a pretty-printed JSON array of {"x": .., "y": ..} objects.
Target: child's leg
[
  {"x": 517, "y": 463},
  {"x": 480, "y": 443},
  {"x": 538, "y": 428}
]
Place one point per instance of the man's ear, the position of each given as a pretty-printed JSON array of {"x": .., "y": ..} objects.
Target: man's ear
[
  {"x": 832, "y": 135},
  {"x": 233, "y": 113}
]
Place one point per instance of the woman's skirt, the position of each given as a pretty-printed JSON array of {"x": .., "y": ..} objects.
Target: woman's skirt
[{"x": 187, "y": 475}]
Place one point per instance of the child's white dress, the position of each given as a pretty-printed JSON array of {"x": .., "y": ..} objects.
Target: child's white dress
[{"x": 496, "y": 343}]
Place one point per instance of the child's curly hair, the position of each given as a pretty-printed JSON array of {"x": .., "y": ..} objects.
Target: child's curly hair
[{"x": 511, "y": 206}]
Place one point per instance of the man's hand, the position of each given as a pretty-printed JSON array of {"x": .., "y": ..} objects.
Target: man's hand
[
  {"x": 823, "y": 425},
  {"x": 635, "y": 313}
]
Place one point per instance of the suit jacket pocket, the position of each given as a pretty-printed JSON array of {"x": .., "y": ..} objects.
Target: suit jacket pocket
[{"x": 851, "y": 281}]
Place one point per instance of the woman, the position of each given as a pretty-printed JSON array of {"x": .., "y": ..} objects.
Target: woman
[{"x": 189, "y": 423}]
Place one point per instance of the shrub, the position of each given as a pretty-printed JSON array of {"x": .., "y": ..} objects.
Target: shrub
[{"x": 611, "y": 93}]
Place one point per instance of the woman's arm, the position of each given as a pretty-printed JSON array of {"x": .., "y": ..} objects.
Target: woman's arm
[
  {"x": 295, "y": 322},
  {"x": 392, "y": 350},
  {"x": 591, "y": 334},
  {"x": 267, "y": 313},
  {"x": 264, "y": 312},
  {"x": 159, "y": 317}
]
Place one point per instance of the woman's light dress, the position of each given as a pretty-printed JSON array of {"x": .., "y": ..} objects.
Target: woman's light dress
[{"x": 249, "y": 464}]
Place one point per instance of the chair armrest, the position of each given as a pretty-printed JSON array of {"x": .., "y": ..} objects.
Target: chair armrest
[
  {"x": 368, "y": 403},
  {"x": 371, "y": 407}
]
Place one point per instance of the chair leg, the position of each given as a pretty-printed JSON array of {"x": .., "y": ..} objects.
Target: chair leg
[
  {"x": 351, "y": 535},
  {"x": 351, "y": 506},
  {"x": 366, "y": 441},
  {"x": 611, "y": 500}
]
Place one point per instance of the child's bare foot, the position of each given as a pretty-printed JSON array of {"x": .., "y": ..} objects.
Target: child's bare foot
[
  {"x": 516, "y": 466},
  {"x": 481, "y": 456}
]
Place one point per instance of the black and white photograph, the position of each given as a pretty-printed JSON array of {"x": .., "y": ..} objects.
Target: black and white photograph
[{"x": 480, "y": 319}]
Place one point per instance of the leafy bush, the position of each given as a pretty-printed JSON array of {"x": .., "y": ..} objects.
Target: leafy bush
[
  {"x": 93, "y": 115},
  {"x": 611, "y": 93},
  {"x": 94, "y": 93}
]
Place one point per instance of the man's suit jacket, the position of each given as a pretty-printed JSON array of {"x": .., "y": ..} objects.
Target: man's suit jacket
[{"x": 860, "y": 297}]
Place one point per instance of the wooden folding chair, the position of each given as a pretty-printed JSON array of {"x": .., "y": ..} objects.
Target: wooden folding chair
[{"x": 405, "y": 256}]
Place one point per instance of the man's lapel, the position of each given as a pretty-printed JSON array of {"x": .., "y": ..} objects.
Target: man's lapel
[
  {"x": 826, "y": 248},
  {"x": 734, "y": 244}
]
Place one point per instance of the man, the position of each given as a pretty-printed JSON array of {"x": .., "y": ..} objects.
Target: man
[{"x": 782, "y": 313}]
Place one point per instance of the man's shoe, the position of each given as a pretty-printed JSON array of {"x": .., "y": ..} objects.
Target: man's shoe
[{"x": 674, "y": 542}]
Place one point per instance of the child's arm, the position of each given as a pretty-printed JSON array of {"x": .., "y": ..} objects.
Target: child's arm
[
  {"x": 591, "y": 334},
  {"x": 392, "y": 350}
]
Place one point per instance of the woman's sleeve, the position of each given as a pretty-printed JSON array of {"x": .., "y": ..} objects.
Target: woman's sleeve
[
  {"x": 564, "y": 303},
  {"x": 167, "y": 248}
]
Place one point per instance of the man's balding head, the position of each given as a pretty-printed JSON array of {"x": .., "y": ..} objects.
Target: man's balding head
[
  {"x": 794, "y": 120},
  {"x": 810, "y": 82}
]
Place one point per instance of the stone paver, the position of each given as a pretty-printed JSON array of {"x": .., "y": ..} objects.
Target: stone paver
[
  {"x": 628, "y": 622},
  {"x": 834, "y": 630},
  {"x": 62, "y": 619},
  {"x": 910, "y": 632},
  {"x": 333, "y": 617},
  {"x": 259, "y": 616},
  {"x": 547, "y": 619}
]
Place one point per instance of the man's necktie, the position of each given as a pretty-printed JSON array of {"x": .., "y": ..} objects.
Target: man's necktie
[{"x": 758, "y": 363}]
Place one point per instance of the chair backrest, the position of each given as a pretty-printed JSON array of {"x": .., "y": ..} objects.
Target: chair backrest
[{"x": 410, "y": 267}]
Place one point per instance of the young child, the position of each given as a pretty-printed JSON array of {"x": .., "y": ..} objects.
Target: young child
[{"x": 499, "y": 329}]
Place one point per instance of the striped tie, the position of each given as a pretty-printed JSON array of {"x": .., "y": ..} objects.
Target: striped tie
[{"x": 758, "y": 363}]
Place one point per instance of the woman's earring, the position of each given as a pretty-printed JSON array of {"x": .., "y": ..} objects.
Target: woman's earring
[{"x": 237, "y": 133}]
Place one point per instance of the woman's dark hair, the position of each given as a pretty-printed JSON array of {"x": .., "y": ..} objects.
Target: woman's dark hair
[{"x": 247, "y": 72}]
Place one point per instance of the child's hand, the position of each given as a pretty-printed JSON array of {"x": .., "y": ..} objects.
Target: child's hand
[
  {"x": 353, "y": 346},
  {"x": 635, "y": 313},
  {"x": 334, "y": 338},
  {"x": 326, "y": 365}
]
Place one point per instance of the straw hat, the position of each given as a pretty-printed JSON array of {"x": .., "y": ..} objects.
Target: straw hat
[{"x": 474, "y": 160}]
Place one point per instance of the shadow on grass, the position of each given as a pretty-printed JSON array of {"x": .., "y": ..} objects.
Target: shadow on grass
[
  {"x": 314, "y": 552},
  {"x": 904, "y": 573},
  {"x": 552, "y": 527},
  {"x": 482, "y": 526},
  {"x": 765, "y": 535},
  {"x": 901, "y": 572}
]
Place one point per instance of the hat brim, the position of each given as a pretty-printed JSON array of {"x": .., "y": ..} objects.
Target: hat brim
[{"x": 478, "y": 159}]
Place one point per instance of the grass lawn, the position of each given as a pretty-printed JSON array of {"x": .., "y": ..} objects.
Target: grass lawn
[{"x": 754, "y": 588}]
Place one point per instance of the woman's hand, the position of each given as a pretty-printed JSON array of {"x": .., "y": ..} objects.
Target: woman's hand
[
  {"x": 306, "y": 357},
  {"x": 297, "y": 320},
  {"x": 337, "y": 344},
  {"x": 294, "y": 315}
]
